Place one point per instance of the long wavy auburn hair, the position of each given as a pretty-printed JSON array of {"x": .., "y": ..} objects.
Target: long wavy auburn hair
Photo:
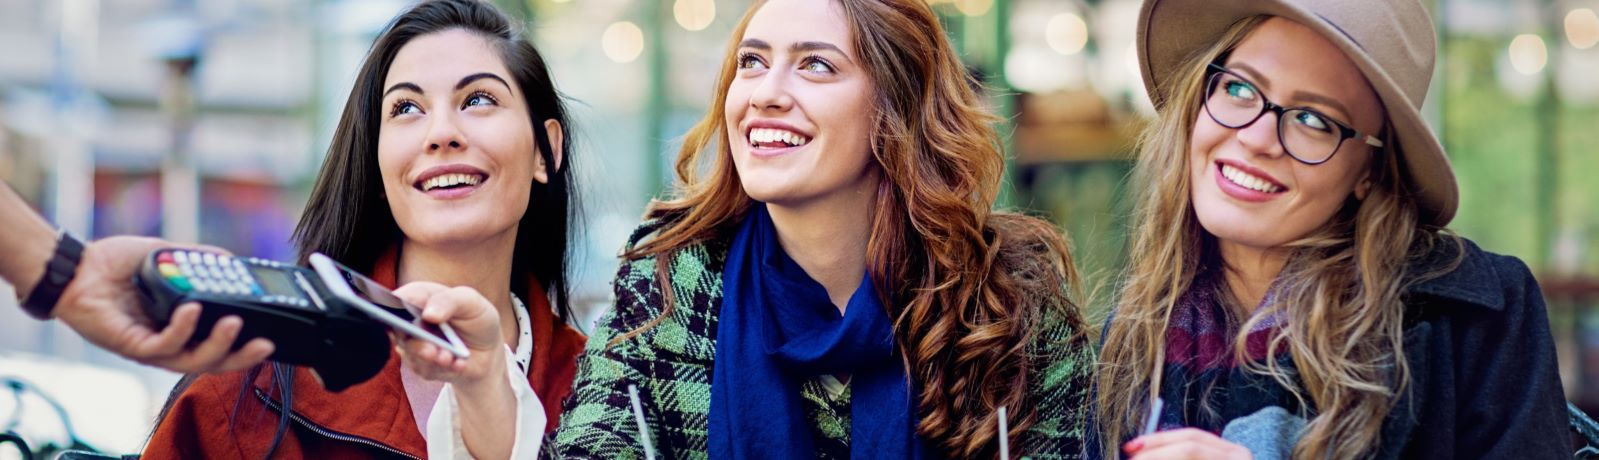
[
  {"x": 1341, "y": 287},
  {"x": 967, "y": 283}
]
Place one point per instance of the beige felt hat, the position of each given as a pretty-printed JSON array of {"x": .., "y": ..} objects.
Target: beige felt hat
[{"x": 1391, "y": 41}]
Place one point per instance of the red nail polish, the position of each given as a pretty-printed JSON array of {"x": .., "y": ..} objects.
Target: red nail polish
[{"x": 1133, "y": 446}]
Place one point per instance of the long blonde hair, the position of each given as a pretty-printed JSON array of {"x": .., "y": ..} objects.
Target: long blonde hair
[
  {"x": 969, "y": 288},
  {"x": 1341, "y": 288}
]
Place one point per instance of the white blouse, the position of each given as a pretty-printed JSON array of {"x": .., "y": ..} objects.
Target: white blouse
[{"x": 442, "y": 426}]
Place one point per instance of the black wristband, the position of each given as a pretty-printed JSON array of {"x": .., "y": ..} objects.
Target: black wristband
[{"x": 63, "y": 266}]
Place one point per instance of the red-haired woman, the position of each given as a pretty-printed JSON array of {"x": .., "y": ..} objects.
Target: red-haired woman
[{"x": 836, "y": 284}]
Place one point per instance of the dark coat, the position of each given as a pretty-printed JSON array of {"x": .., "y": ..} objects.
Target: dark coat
[{"x": 1484, "y": 382}]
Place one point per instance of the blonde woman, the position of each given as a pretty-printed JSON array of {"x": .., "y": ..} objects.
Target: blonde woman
[{"x": 1293, "y": 290}]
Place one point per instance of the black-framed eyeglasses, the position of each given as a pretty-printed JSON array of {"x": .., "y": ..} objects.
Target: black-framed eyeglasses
[{"x": 1307, "y": 135}]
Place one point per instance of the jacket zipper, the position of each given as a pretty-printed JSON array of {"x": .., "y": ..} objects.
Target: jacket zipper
[{"x": 307, "y": 424}]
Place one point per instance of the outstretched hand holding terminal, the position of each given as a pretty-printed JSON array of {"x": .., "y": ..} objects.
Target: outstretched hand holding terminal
[{"x": 90, "y": 288}]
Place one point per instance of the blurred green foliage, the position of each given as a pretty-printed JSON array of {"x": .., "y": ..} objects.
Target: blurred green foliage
[{"x": 1525, "y": 164}]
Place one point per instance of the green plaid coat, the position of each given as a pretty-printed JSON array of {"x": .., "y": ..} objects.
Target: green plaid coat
[{"x": 671, "y": 365}]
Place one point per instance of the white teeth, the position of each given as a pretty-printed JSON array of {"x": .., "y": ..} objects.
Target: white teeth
[
  {"x": 767, "y": 135},
  {"x": 1249, "y": 181},
  {"x": 447, "y": 180}
]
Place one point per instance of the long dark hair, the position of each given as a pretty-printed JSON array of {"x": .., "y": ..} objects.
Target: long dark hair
[{"x": 347, "y": 216}]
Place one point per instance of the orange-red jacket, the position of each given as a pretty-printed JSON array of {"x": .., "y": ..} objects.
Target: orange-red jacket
[{"x": 219, "y": 416}]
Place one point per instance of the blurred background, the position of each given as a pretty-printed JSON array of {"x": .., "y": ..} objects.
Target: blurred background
[{"x": 206, "y": 121}]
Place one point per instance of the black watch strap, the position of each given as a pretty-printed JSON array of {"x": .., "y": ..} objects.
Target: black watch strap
[{"x": 41, "y": 302}]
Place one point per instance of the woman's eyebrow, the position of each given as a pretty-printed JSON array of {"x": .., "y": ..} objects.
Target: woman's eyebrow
[
  {"x": 755, "y": 43},
  {"x": 1264, "y": 83},
  {"x": 467, "y": 80},
  {"x": 796, "y": 48},
  {"x": 1298, "y": 95},
  {"x": 408, "y": 86},
  {"x": 801, "y": 47},
  {"x": 1306, "y": 96}
]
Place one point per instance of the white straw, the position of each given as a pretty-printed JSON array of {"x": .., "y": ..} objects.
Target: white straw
[
  {"x": 1154, "y": 416},
  {"x": 643, "y": 430},
  {"x": 1004, "y": 435}
]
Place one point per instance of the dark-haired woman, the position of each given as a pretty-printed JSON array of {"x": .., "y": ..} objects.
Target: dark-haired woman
[{"x": 449, "y": 168}]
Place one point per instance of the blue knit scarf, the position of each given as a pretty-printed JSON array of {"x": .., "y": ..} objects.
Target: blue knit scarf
[{"x": 777, "y": 329}]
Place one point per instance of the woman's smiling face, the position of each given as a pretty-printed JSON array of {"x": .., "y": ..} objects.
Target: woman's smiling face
[
  {"x": 1246, "y": 189},
  {"x": 799, "y": 113},
  {"x": 455, "y": 144}
]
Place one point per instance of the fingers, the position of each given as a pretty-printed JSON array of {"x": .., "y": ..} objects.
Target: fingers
[
  {"x": 253, "y": 353},
  {"x": 444, "y": 359},
  {"x": 415, "y": 351},
  {"x": 430, "y": 361},
  {"x": 452, "y": 303},
  {"x": 468, "y": 305},
  {"x": 214, "y": 349},
  {"x": 443, "y": 307},
  {"x": 172, "y": 338},
  {"x": 1184, "y": 443},
  {"x": 167, "y": 349},
  {"x": 419, "y": 292},
  {"x": 441, "y": 304},
  {"x": 471, "y": 315},
  {"x": 1223, "y": 451},
  {"x": 468, "y": 313},
  {"x": 1182, "y": 435},
  {"x": 436, "y": 356},
  {"x": 1179, "y": 452}
]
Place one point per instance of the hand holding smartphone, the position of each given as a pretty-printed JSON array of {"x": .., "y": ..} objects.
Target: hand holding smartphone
[{"x": 381, "y": 304}]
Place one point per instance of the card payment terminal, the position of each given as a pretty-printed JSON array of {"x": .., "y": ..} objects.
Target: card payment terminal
[{"x": 281, "y": 302}]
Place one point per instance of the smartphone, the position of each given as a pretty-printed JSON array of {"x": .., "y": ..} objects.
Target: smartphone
[{"x": 378, "y": 302}]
